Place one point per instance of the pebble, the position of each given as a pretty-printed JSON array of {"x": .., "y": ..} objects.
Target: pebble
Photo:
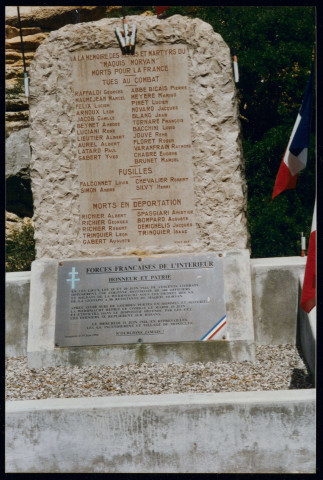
[{"x": 277, "y": 367}]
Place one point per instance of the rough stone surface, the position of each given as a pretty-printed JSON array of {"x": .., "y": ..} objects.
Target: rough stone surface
[
  {"x": 17, "y": 104},
  {"x": 14, "y": 222},
  {"x": 19, "y": 198},
  {"x": 18, "y": 154},
  {"x": 220, "y": 185},
  {"x": 16, "y": 125},
  {"x": 31, "y": 42},
  {"x": 55, "y": 17},
  {"x": 12, "y": 32}
]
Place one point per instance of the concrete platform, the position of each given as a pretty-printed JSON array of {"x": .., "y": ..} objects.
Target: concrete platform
[
  {"x": 271, "y": 278},
  {"x": 239, "y": 432},
  {"x": 247, "y": 432},
  {"x": 238, "y": 346}
]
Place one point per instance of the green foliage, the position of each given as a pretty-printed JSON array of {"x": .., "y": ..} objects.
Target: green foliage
[
  {"x": 274, "y": 46},
  {"x": 276, "y": 226},
  {"x": 275, "y": 56},
  {"x": 130, "y": 10},
  {"x": 17, "y": 89},
  {"x": 20, "y": 249}
]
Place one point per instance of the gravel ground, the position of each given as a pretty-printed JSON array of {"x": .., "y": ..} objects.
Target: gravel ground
[{"x": 277, "y": 367}]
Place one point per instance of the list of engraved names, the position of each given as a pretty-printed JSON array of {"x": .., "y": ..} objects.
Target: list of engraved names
[{"x": 133, "y": 140}]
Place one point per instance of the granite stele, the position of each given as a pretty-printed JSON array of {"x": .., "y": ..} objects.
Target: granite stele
[{"x": 139, "y": 198}]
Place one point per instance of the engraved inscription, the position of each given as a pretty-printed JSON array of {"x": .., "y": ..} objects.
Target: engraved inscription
[{"x": 133, "y": 142}]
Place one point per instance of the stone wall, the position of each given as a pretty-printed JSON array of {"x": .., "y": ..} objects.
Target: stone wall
[{"x": 37, "y": 23}]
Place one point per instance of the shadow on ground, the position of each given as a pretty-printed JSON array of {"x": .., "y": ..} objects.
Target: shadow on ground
[{"x": 301, "y": 377}]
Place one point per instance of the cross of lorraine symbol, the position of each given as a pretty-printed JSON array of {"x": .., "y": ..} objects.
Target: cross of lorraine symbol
[{"x": 73, "y": 278}]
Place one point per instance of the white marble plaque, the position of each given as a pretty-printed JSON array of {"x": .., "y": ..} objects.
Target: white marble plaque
[
  {"x": 150, "y": 299},
  {"x": 134, "y": 147}
]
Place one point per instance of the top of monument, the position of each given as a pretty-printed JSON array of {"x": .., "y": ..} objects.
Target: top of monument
[{"x": 135, "y": 154}]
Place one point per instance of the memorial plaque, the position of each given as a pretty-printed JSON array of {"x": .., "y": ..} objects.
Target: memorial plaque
[
  {"x": 134, "y": 147},
  {"x": 151, "y": 299}
]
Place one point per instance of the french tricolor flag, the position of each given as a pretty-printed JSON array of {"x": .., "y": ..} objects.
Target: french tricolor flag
[
  {"x": 295, "y": 157},
  {"x": 160, "y": 10},
  {"x": 308, "y": 298}
]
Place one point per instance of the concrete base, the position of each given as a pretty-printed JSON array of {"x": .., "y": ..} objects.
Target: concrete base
[
  {"x": 238, "y": 346},
  {"x": 176, "y": 352},
  {"x": 18, "y": 286},
  {"x": 17, "y": 306},
  {"x": 248, "y": 432},
  {"x": 275, "y": 298},
  {"x": 236, "y": 432}
]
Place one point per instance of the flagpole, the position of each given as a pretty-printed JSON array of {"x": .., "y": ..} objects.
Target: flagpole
[
  {"x": 26, "y": 82},
  {"x": 303, "y": 245},
  {"x": 234, "y": 56}
]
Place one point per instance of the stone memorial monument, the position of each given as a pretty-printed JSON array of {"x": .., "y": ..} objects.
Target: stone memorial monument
[{"x": 139, "y": 197}]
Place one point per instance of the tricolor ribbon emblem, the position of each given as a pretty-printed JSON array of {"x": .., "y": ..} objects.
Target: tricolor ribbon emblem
[{"x": 217, "y": 327}]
